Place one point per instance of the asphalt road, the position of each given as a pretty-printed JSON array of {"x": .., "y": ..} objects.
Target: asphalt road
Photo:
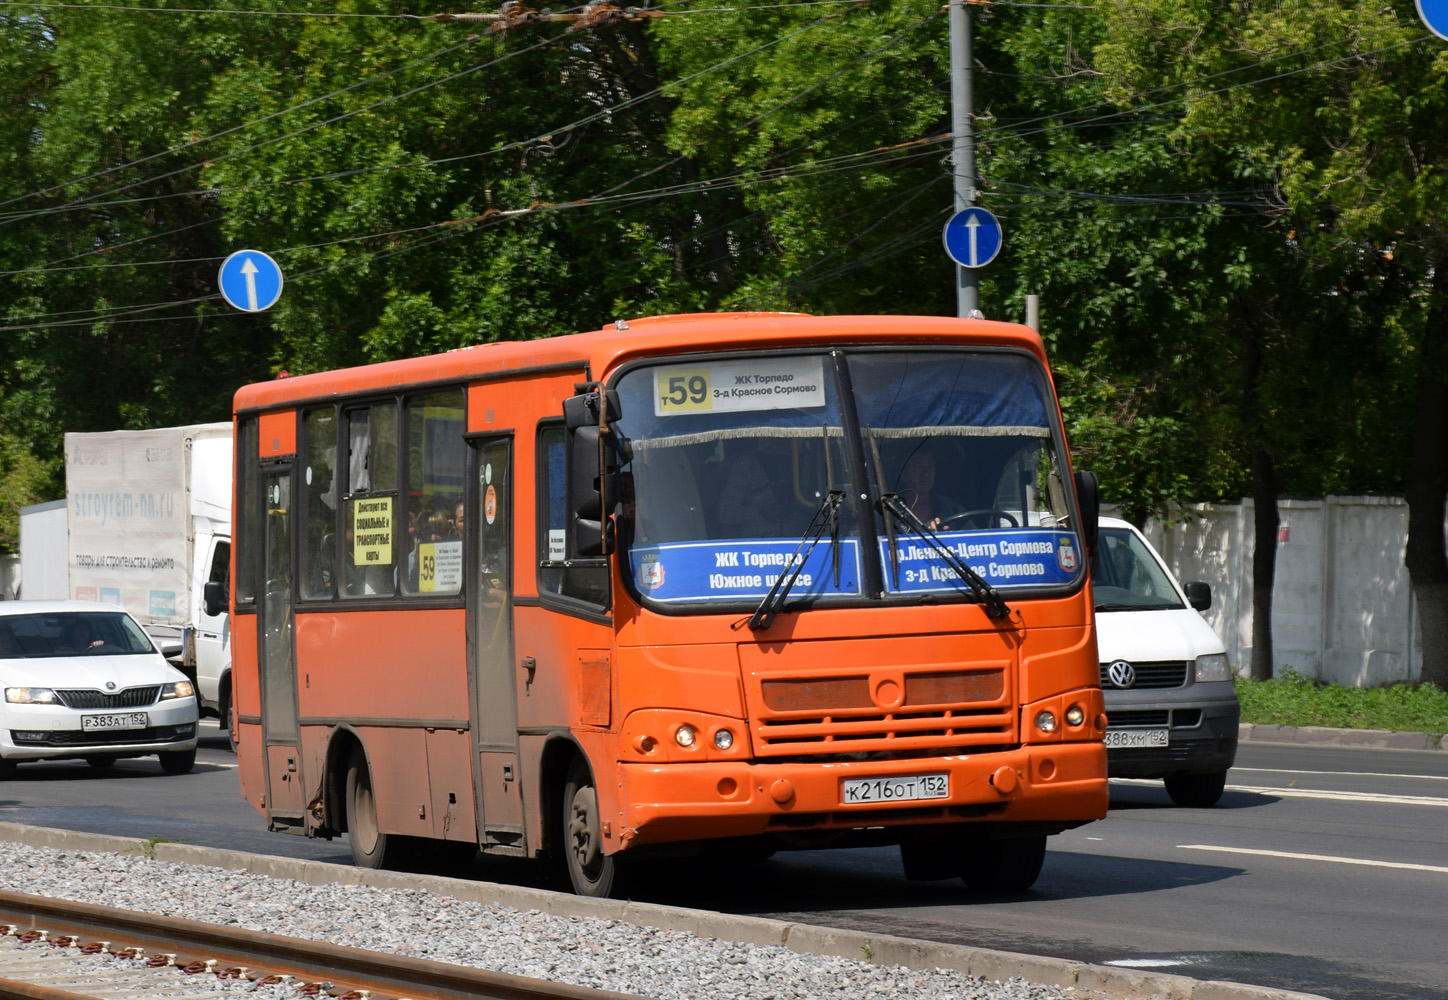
[{"x": 1323, "y": 869}]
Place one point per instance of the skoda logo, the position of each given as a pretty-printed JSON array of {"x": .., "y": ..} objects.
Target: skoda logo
[
  {"x": 1122, "y": 674},
  {"x": 110, "y": 685}
]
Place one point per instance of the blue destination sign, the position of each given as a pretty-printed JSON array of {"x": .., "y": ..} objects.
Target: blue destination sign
[
  {"x": 740, "y": 569},
  {"x": 1005, "y": 559}
]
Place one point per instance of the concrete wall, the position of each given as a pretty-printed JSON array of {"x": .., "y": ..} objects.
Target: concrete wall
[{"x": 1342, "y": 607}]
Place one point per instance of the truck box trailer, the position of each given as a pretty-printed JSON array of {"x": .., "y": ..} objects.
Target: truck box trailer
[{"x": 148, "y": 524}]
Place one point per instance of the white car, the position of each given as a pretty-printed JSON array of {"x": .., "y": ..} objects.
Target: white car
[
  {"x": 83, "y": 681},
  {"x": 1171, "y": 705}
]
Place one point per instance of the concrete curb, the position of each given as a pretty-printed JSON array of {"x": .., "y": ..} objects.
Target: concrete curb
[
  {"x": 1085, "y": 980},
  {"x": 1379, "y": 739}
]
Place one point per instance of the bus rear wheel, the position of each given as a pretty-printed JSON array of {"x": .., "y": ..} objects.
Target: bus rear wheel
[
  {"x": 1010, "y": 865},
  {"x": 590, "y": 871},
  {"x": 371, "y": 848}
]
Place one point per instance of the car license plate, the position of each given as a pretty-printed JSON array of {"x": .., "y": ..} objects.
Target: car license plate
[
  {"x": 905, "y": 789},
  {"x": 1136, "y": 738},
  {"x": 125, "y": 720}
]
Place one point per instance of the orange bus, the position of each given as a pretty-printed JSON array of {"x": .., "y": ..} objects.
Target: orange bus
[{"x": 725, "y": 583}]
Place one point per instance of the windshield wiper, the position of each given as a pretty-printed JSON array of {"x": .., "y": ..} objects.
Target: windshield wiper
[
  {"x": 826, "y": 514},
  {"x": 890, "y": 503}
]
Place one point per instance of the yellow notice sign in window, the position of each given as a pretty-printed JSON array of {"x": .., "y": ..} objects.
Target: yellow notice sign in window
[{"x": 372, "y": 531}]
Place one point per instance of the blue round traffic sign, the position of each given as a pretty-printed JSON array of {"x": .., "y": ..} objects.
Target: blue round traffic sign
[
  {"x": 1435, "y": 15},
  {"x": 250, "y": 281},
  {"x": 973, "y": 237}
]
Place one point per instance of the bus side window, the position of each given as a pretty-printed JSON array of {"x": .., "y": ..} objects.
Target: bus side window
[{"x": 560, "y": 572}]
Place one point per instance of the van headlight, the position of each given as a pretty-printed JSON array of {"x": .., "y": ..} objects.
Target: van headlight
[
  {"x": 181, "y": 689},
  {"x": 31, "y": 696},
  {"x": 1213, "y": 667}
]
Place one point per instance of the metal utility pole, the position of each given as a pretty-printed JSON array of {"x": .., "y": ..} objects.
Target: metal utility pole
[{"x": 963, "y": 145}]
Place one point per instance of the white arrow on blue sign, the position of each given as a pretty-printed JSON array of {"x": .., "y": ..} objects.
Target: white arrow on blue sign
[
  {"x": 250, "y": 281},
  {"x": 1435, "y": 15},
  {"x": 973, "y": 237}
]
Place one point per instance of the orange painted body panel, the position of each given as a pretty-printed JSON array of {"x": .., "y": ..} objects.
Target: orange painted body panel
[
  {"x": 278, "y": 435},
  {"x": 383, "y": 665},
  {"x": 937, "y": 688}
]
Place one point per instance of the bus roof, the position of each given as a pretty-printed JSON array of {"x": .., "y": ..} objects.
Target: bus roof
[{"x": 603, "y": 350}]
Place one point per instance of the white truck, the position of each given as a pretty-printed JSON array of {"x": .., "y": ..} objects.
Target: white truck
[{"x": 147, "y": 525}]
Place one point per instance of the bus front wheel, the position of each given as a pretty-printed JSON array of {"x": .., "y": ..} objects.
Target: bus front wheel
[
  {"x": 591, "y": 872},
  {"x": 1009, "y": 865},
  {"x": 371, "y": 848}
]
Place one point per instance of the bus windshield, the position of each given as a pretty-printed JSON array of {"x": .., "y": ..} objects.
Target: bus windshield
[{"x": 735, "y": 463}]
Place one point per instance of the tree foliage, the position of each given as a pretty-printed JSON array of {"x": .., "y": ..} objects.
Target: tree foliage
[{"x": 1232, "y": 213}]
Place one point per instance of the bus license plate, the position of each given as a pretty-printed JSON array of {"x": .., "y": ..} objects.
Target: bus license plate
[
  {"x": 1136, "y": 738},
  {"x": 906, "y": 789},
  {"x": 127, "y": 720}
]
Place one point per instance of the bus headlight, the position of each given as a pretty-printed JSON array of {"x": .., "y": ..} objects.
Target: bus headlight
[
  {"x": 723, "y": 739},
  {"x": 31, "y": 696},
  {"x": 684, "y": 736},
  {"x": 1046, "y": 722},
  {"x": 1213, "y": 667},
  {"x": 1075, "y": 715}
]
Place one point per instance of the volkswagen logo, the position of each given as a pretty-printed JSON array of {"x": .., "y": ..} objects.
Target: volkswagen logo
[{"x": 1122, "y": 674}]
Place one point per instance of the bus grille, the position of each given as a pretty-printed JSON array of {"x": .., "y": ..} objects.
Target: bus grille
[{"x": 838, "y": 715}]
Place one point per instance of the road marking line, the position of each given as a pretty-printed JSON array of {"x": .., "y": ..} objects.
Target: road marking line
[
  {"x": 1308, "y": 793},
  {"x": 1315, "y": 857},
  {"x": 1144, "y": 963},
  {"x": 1353, "y": 774}
]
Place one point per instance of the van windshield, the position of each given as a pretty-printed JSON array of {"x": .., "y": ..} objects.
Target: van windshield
[
  {"x": 1125, "y": 576},
  {"x": 740, "y": 463}
]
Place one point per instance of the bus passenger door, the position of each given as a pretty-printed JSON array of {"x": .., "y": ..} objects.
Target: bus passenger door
[
  {"x": 493, "y": 685},
  {"x": 277, "y": 653}
]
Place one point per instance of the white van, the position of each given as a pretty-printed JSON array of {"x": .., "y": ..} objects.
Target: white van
[{"x": 1171, "y": 706}]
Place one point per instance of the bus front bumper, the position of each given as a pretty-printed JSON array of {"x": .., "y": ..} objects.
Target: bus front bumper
[{"x": 1059, "y": 783}]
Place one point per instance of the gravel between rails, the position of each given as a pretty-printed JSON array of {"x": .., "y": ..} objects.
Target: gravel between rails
[{"x": 585, "y": 951}]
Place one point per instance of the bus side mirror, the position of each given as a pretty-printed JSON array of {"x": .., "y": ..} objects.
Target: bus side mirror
[
  {"x": 1199, "y": 594},
  {"x": 595, "y": 482},
  {"x": 1088, "y": 495},
  {"x": 213, "y": 596}
]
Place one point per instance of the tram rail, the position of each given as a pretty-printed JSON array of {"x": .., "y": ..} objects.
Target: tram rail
[{"x": 136, "y": 941}]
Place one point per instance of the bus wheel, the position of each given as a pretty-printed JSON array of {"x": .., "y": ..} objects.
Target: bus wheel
[
  {"x": 1010, "y": 865},
  {"x": 1196, "y": 791},
  {"x": 370, "y": 846},
  {"x": 591, "y": 872}
]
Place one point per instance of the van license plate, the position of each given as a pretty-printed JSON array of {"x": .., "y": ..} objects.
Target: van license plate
[
  {"x": 127, "y": 720},
  {"x": 1136, "y": 738},
  {"x": 906, "y": 789}
]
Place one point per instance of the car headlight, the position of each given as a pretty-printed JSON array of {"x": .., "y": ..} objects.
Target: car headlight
[
  {"x": 1213, "y": 667},
  {"x": 181, "y": 689},
  {"x": 31, "y": 696}
]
